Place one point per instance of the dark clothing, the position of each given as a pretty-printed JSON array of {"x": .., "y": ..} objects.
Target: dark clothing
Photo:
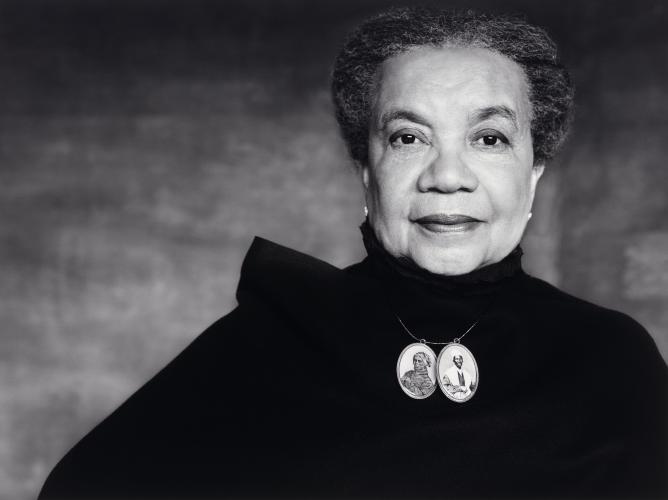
[{"x": 295, "y": 394}]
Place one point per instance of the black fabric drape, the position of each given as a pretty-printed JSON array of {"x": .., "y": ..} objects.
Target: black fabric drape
[{"x": 295, "y": 394}]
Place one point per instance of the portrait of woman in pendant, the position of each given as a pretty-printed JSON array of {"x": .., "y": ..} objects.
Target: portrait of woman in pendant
[
  {"x": 451, "y": 119},
  {"x": 418, "y": 380}
]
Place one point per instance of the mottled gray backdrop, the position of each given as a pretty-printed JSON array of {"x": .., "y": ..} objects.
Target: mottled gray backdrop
[{"x": 144, "y": 143}]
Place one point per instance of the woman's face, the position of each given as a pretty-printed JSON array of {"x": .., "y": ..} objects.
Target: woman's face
[{"x": 450, "y": 180}]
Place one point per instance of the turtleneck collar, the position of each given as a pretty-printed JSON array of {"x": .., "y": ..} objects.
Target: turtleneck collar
[{"x": 479, "y": 280}]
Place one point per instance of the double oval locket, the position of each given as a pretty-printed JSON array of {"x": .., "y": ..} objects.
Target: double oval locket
[{"x": 455, "y": 371}]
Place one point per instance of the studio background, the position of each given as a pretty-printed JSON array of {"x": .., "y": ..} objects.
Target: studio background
[{"x": 144, "y": 143}]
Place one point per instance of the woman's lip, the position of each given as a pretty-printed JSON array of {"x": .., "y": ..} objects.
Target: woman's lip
[
  {"x": 450, "y": 228},
  {"x": 448, "y": 223},
  {"x": 446, "y": 219}
]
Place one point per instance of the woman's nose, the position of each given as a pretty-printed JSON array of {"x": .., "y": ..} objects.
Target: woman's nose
[{"x": 447, "y": 173}]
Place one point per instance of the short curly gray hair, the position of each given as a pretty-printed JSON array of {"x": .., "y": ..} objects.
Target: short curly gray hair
[{"x": 400, "y": 29}]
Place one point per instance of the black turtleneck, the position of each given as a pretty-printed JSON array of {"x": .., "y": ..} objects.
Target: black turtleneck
[
  {"x": 435, "y": 307},
  {"x": 295, "y": 394},
  {"x": 479, "y": 280}
]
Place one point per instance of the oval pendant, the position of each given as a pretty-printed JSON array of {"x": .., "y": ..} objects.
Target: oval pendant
[
  {"x": 416, "y": 370},
  {"x": 457, "y": 372}
]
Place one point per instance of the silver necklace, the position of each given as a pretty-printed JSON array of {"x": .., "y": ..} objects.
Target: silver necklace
[{"x": 455, "y": 369}]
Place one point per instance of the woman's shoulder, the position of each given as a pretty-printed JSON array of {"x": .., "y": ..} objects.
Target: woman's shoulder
[
  {"x": 540, "y": 292},
  {"x": 277, "y": 273},
  {"x": 581, "y": 320}
]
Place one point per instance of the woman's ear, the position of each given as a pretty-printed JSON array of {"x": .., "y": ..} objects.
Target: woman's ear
[
  {"x": 536, "y": 173},
  {"x": 364, "y": 173}
]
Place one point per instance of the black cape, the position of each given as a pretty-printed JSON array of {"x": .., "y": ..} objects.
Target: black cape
[{"x": 295, "y": 394}]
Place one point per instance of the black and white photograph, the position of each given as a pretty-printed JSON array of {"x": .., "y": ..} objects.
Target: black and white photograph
[
  {"x": 457, "y": 373},
  {"x": 352, "y": 249},
  {"x": 416, "y": 371}
]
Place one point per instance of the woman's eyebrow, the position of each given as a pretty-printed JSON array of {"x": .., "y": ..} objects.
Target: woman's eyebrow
[
  {"x": 401, "y": 114},
  {"x": 505, "y": 112}
]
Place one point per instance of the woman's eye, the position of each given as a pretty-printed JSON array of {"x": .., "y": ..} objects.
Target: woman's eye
[
  {"x": 404, "y": 139},
  {"x": 492, "y": 140}
]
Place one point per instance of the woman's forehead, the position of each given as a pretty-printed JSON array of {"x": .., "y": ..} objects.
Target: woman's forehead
[{"x": 425, "y": 80}]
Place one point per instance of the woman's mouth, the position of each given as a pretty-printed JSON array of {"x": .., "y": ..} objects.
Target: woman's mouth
[{"x": 448, "y": 223}]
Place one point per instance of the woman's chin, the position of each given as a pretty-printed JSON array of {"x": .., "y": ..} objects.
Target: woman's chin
[
  {"x": 449, "y": 254},
  {"x": 449, "y": 261}
]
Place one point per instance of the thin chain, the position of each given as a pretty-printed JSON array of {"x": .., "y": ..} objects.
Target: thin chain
[{"x": 456, "y": 340}]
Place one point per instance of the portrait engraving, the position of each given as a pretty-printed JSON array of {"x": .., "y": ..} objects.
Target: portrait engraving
[
  {"x": 416, "y": 371},
  {"x": 457, "y": 373}
]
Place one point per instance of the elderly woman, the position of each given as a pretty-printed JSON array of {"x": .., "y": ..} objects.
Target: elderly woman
[{"x": 450, "y": 119}]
